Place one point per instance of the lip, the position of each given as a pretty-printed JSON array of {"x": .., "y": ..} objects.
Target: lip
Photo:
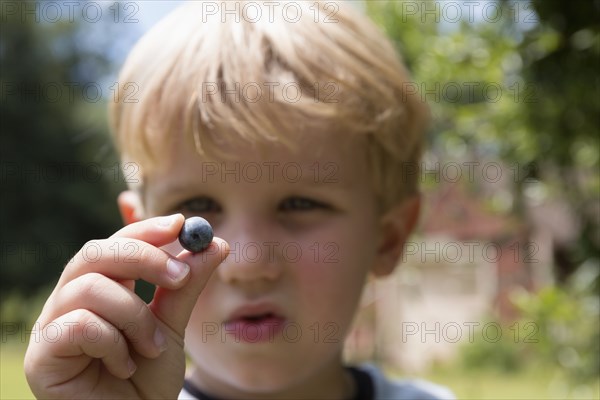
[
  {"x": 255, "y": 323},
  {"x": 255, "y": 309}
]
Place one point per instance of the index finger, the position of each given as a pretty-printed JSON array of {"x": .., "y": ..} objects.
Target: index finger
[
  {"x": 157, "y": 231},
  {"x": 149, "y": 234}
]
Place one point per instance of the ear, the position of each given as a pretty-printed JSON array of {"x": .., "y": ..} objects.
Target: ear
[
  {"x": 130, "y": 206},
  {"x": 396, "y": 226}
]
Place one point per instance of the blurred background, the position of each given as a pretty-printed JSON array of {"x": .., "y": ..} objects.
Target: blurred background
[{"x": 498, "y": 293}]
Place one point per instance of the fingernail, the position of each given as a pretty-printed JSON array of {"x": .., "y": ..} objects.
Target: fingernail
[
  {"x": 177, "y": 270},
  {"x": 131, "y": 366},
  {"x": 168, "y": 220},
  {"x": 159, "y": 340}
]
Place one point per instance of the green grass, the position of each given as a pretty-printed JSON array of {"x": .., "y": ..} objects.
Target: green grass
[
  {"x": 485, "y": 384},
  {"x": 12, "y": 378}
]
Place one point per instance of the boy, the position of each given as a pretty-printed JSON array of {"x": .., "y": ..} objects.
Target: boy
[{"x": 285, "y": 125}]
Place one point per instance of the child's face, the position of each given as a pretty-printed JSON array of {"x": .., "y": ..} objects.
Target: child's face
[{"x": 303, "y": 232}]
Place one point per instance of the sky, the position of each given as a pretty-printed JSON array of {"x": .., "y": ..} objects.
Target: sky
[{"x": 151, "y": 11}]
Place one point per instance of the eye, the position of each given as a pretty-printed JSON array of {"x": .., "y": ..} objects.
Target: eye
[
  {"x": 199, "y": 205},
  {"x": 300, "y": 204}
]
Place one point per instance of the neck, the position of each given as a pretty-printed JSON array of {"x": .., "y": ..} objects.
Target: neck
[{"x": 331, "y": 382}]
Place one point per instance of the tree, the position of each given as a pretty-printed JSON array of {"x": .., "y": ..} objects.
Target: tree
[
  {"x": 58, "y": 170},
  {"x": 516, "y": 82}
]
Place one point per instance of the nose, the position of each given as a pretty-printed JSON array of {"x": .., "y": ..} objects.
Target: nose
[{"x": 254, "y": 255}]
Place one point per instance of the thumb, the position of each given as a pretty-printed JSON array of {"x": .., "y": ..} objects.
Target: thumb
[{"x": 174, "y": 307}]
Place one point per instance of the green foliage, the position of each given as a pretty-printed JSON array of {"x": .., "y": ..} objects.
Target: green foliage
[
  {"x": 569, "y": 324},
  {"x": 472, "y": 72},
  {"x": 558, "y": 328},
  {"x": 57, "y": 165},
  {"x": 19, "y": 311},
  {"x": 502, "y": 355},
  {"x": 522, "y": 89}
]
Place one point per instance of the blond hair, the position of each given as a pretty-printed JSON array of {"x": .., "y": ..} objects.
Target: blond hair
[{"x": 198, "y": 75}]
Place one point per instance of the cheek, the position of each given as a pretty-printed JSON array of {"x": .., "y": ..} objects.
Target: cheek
[
  {"x": 347, "y": 248},
  {"x": 331, "y": 274}
]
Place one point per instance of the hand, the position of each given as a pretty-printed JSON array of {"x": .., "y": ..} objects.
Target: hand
[{"x": 95, "y": 338}]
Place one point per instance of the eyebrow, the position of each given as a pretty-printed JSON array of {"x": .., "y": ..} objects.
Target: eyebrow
[
  {"x": 169, "y": 188},
  {"x": 310, "y": 180}
]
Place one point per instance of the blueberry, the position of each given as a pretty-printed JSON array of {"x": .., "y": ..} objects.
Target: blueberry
[{"x": 196, "y": 234}]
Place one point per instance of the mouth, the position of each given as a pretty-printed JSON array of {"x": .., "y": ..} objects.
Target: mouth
[
  {"x": 255, "y": 323},
  {"x": 258, "y": 318},
  {"x": 254, "y": 312}
]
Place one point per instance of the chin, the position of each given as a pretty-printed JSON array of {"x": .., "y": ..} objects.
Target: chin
[{"x": 263, "y": 378}]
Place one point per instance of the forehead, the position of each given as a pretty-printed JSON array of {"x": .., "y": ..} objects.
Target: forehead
[{"x": 329, "y": 159}]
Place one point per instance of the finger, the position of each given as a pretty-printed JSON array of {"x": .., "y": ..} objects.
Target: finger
[
  {"x": 157, "y": 231},
  {"x": 70, "y": 343},
  {"x": 116, "y": 304},
  {"x": 125, "y": 259},
  {"x": 174, "y": 307}
]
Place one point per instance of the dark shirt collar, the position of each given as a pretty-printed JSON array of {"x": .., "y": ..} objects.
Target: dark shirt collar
[{"x": 362, "y": 380}]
